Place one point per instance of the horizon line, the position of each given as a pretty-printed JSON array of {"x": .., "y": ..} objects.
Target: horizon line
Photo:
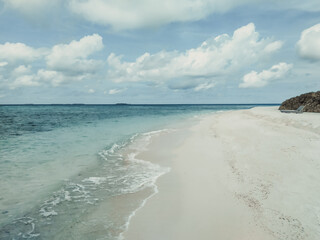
[{"x": 130, "y": 104}]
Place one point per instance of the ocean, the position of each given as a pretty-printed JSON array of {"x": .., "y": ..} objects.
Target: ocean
[{"x": 71, "y": 172}]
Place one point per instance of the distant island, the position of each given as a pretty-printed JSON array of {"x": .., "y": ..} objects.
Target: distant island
[
  {"x": 122, "y": 104},
  {"x": 310, "y": 100}
]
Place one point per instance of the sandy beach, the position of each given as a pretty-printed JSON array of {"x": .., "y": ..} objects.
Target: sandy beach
[{"x": 237, "y": 175}]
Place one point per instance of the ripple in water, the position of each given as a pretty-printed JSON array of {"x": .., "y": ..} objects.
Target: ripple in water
[{"x": 97, "y": 205}]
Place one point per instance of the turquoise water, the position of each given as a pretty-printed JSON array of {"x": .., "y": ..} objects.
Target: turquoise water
[{"x": 62, "y": 170}]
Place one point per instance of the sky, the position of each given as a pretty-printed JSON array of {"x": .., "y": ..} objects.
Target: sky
[{"x": 158, "y": 51}]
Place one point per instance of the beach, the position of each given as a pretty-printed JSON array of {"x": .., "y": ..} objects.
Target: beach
[
  {"x": 72, "y": 172},
  {"x": 245, "y": 174}
]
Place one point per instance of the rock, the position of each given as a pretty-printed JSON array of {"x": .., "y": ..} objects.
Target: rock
[{"x": 311, "y": 101}]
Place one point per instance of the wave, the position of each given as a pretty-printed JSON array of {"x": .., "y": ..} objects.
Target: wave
[{"x": 120, "y": 172}]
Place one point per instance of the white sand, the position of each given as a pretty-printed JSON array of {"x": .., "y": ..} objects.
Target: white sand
[{"x": 239, "y": 175}]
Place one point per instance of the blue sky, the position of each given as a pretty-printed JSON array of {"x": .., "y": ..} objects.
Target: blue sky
[{"x": 169, "y": 51}]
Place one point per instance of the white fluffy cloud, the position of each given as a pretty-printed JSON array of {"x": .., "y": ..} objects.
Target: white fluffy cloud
[
  {"x": 255, "y": 79},
  {"x": 309, "y": 43},
  {"x": 72, "y": 58},
  {"x": 128, "y": 14},
  {"x": 56, "y": 78},
  {"x": 22, "y": 76},
  {"x": 42, "y": 76},
  {"x": 21, "y": 70},
  {"x": 197, "y": 67},
  {"x": 24, "y": 81},
  {"x": 19, "y": 52},
  {"x": 64, "y": 62}
]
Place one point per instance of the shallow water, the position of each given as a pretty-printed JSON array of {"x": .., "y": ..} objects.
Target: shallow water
[{"x": 67, "y": 171}]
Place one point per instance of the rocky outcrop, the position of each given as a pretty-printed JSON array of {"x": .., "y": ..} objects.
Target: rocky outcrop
[{"x": 311, "y": 101}]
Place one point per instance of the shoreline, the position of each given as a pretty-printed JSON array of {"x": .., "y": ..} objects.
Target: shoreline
[{"x": 235, "y": 175}]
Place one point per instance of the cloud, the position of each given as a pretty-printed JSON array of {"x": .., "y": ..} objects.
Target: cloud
[
  {"x": 115, "y": 91},
  {"x": 24, "y": 81},
  {"x": 47, "y": 76},
  {"x": 64, "y": 63},
  {"x": 31, "y": 8},
  {"x": 310, "y": 5},
  {"x": 309, "y": 44},
  {"x": 57, "y": 78},
  {"x": 204, "y": 86},
  {"x": 91, "y": 91},
  {"x": 128, "y": 14},
  {"x": 255, "y": 79},
  {"x": 27, "y": 78},
  {"x": 2, "y": 64},
  {"x": 22, "y": 76},
  {"x": 21, "y": 70},
  {"x": 19, "y": 52},
  {"x": 274, "y": 46},
  {"x": 72, "y": 58},
  {"x": 197, "y": 67}
]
